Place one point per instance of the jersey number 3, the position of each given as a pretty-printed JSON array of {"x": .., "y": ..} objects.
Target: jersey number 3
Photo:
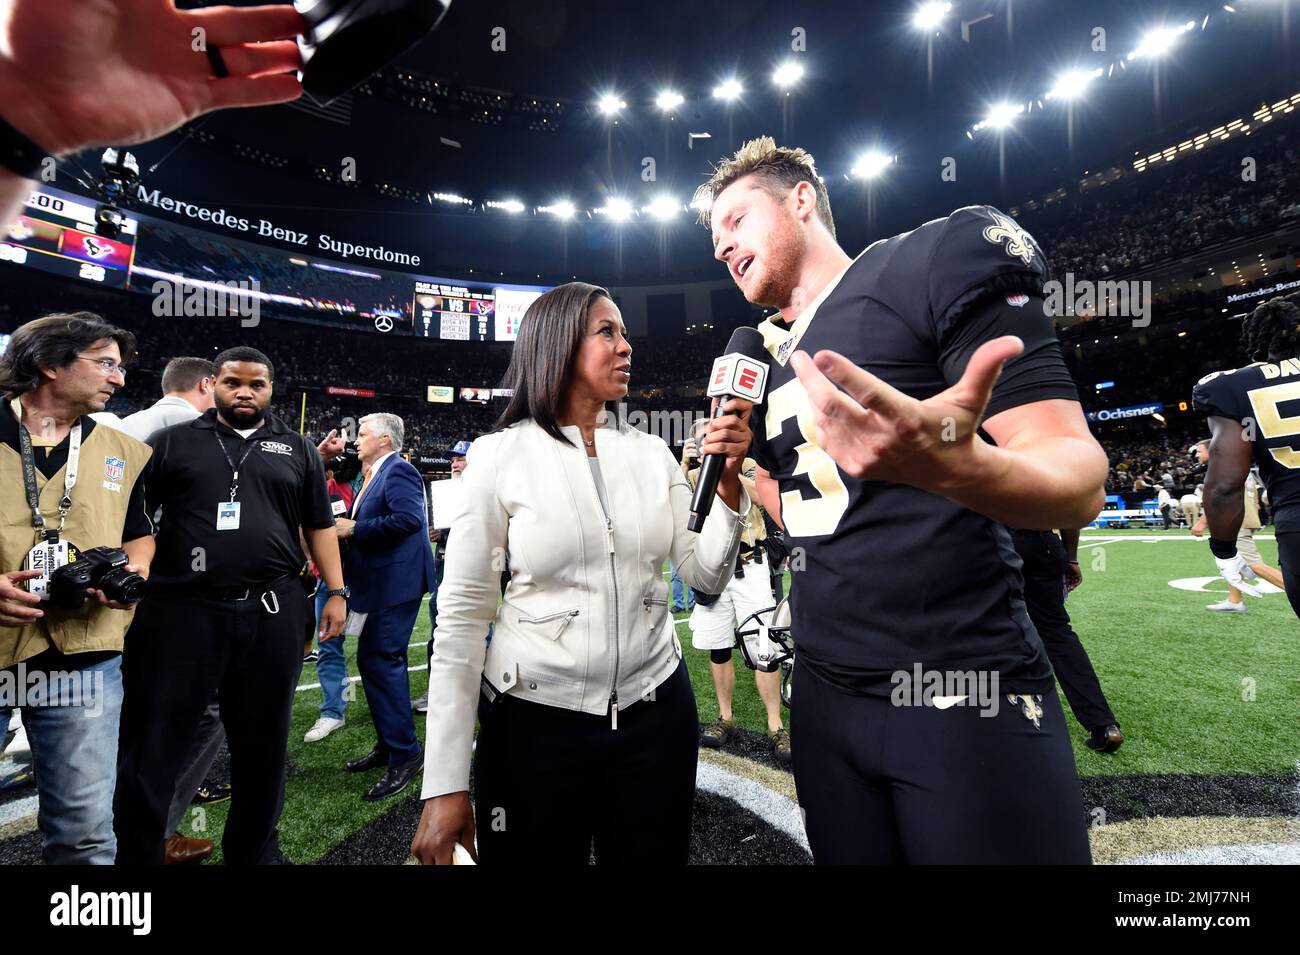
[
  {"x": 1265, "y": 403},
  {"x": 806, "y": 517}
]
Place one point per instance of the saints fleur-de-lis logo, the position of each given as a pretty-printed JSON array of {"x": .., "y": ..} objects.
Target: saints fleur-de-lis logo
[
  {"x": 1029, "y": 706},
  {"x": 1019, "y": 244}
]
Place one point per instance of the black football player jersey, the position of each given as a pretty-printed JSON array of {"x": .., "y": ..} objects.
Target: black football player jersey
[
  {"x": 1264, "y": 396},
  {"x": 885, "y": 576}
]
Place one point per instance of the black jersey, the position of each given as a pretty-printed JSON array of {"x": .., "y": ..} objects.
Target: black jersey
[
  {"x": 1265, "y": 398},
  {"x": 885, "y": 576}
]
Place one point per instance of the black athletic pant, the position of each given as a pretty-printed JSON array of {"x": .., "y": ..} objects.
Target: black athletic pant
[
  {"x": 180, "y": 651},
  {"x": 886, "y": 784},
  {"x": 1044, "y": 573},
  {"x": 1288, "y": 555},
  {"x": 548, "y": 782}
]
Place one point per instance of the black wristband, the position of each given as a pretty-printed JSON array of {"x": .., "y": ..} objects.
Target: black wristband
[
  {"x": 19, "y": 154},
  {"x": 1224, "y": 550}
]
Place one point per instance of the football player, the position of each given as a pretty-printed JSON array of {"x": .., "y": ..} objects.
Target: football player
[
  {"x": 1252, "y": 415},
  {"x": 895, "y": 508}
]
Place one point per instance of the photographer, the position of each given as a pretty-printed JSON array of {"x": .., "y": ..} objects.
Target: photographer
[{"x": 68, "y": 483}]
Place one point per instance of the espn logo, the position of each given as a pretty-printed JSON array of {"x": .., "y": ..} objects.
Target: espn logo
[{"x": 738, "y": 375}]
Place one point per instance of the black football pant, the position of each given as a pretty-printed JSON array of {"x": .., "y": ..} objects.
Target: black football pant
[
  {"x": 180, "y": 651},
  {"x": 1044, "y": 572},
  {"x": 886, "y": 784},
  {"x": 549, "y": 783},
  {"x": 1288, "y": 555}
]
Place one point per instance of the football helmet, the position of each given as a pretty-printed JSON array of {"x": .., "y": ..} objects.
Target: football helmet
[{"x": 766, "y": 642}]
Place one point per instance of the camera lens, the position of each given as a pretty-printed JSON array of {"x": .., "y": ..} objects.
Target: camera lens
[{"x": 123, "y": 586}]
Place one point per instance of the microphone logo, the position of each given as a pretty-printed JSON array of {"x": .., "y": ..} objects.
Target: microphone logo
[{"x": 738, "y": 375}]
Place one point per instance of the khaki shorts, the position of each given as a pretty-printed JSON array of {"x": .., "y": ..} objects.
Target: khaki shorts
[
  {"x": 714, "y": 627},
  {"x": 1246, "y": 546}
]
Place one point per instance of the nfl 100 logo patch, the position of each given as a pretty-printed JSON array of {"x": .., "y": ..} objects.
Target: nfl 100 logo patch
[{"x": 114, "y": 468}]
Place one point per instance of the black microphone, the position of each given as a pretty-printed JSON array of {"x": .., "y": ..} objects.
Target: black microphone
[{"x": 740, "y": 373}]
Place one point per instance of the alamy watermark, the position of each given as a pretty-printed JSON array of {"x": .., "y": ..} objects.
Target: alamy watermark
[
  {"x": 208, "y": 299},
  {"x": 944, "y": 688},
  {"x": 21, "y": 687},
  {"x": 673, "y": 426},
  {"x": 1119, "y": 299}
]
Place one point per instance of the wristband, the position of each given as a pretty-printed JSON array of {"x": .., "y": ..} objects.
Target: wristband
[
  {"x": 19, "y": 154},
  {"x": 1224, "y": 550},
  {"x": 1074, "y": 562}
]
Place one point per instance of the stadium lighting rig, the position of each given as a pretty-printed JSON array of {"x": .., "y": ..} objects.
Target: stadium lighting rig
[
  {"x": 617, "y": 210},
  {"x": 871, "y": 165},
  {"x": 561, "y": 210},
  {"x": 928, "y": 16},
  {"x": 728, "y": 90},
  {"x": 787, "y": 74},
  {"x": 669, "y": 100},
  {"x": 1156, "y": 43},
  {"x": 512, "y": 206},
  {"x": 662, "y": 208},
  {"x": 1071, "y": 84},
  {"x": 610, "y": 105}
]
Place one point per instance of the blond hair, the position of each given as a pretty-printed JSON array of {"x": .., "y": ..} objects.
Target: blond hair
[{"x": 778, "y": 169}]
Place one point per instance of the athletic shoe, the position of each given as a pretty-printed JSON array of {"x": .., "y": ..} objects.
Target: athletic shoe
[
  {"x": 1105, "y": 739},
  {"x": 421, "y": 705},
  {"x": 324, "y": 726},
  {"x": 1227, "y": 606},
  {"x": 311, "y": 657},
  {"x": 781, "y": 746},
  {"x": 208, "y": 795},
  {"x": 717, "y": 733}
]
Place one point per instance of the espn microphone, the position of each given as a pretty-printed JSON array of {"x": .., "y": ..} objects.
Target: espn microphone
[{"x": 740, "y": 373}]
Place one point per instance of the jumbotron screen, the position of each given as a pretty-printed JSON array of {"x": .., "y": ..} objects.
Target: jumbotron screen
[{"x": 55, "y": 234}]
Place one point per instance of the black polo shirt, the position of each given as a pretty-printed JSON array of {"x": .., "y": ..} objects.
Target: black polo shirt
[
  {"x": 49, "y": 461},
  {"x": 281, "y": 487}
]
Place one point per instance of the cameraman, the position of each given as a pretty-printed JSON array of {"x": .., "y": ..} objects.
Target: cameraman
[{"x": 84, "y": 483}]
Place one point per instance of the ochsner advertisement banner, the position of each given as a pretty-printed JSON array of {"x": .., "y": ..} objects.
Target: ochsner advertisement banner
[{"x": 1129, "y": 411}]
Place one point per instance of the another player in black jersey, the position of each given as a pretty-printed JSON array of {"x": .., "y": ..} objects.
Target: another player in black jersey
[
  {"x": 894, "y": 508},
  {"x": 1254, "y": 412}
]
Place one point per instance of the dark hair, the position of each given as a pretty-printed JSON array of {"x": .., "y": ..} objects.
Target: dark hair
[
  {"x": 541, "y": 364},
  {"x": 55, "y": 341},
  {"x": 184, "y": 374},
  {"x": 243, "y": 353},
  {"x": 1272, "y": 331}
]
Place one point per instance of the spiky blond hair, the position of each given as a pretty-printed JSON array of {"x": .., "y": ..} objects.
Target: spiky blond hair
[{"x": 777, "y": 168}]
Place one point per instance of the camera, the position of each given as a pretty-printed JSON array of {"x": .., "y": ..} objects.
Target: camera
[
  {"x": 121, "y": 174},
  {"x": 347, "y": 465},
  {"x": 103, "y": 568}
]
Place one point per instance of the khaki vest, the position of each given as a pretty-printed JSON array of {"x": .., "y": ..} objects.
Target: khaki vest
[
  {"x": 96, "y": 520},
  {"x": 755, "y": 530}
]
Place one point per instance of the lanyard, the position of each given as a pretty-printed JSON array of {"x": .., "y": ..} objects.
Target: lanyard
[
  {"x": 234, "y": 480},
  {"x": 29, "y": 472}
]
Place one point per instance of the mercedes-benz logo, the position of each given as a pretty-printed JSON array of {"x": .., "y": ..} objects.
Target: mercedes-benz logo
[{"x": 384, "y": 323}]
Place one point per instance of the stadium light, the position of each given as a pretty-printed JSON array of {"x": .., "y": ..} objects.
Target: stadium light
[
  {"x": 1157, "y": 43},
  {"x": 1002, "y": 115},
  {"x": 787, "y": 74},
  {"x": 1071, "y": 84},
  {"x": 929, "y": 15},
  {"x": 662, "y": 208},
  {"x": 871, "y": 165},
  {"x": 561, "y": 210},
  {"x": 728, "y": 90},
  {"x": 669, "y": 100},
  {"x": 609, "y": 104},
  {"x": 619, "y": 210},
  {"x": 452, "y": 198},
  {"x": 513, "y": 206}
]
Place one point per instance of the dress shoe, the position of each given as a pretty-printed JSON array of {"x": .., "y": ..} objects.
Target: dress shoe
[
  {"x": 210, "y": 795},
  {"x": 395, "y": 779},
  {"x": 1105, "y": 739},
  {"x": 372, "y": 760},
  {"x": 181, "y": 850}
]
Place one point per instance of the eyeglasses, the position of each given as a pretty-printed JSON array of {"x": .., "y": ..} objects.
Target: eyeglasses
[{"x": 106, "y": 365}]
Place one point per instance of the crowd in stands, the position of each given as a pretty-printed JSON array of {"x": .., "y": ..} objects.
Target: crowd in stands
[{"x": 1169, "y": 211}]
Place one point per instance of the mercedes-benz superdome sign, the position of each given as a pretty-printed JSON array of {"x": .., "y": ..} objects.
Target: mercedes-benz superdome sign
[{"x": 1129, "y": 411}]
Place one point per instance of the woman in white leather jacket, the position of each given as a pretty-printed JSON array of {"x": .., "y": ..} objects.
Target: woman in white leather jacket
[{"x": 588, "y": 730}]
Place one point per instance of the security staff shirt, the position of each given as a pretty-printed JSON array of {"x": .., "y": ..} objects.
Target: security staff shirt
[{"x": 281, "y": 487}]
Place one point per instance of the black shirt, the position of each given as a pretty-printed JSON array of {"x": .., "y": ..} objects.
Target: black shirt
[
  {"x": 885, "y": 575},
  {"x": 49, "y": 461},
  {"x": 1268, "y": 395},
  {"x": 281, "y": 487}
]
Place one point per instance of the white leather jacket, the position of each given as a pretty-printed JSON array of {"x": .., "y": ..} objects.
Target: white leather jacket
[{"x": 584, "y": 624}]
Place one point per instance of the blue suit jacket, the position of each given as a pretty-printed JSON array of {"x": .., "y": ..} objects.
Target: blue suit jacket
[{"x": 388, "y": 560}]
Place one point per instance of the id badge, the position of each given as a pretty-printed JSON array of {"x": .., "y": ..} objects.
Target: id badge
[
  {"x": 228, "y": 516},
  {"x": 47, "y": 557}
]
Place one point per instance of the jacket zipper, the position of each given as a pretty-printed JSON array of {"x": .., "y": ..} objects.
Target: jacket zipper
[{"x": 613, "y": 580}]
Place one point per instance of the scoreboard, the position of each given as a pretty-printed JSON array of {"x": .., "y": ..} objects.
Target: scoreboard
[
  {"x": 453, "y": 312},
  {"x": 57, "y": 234}
]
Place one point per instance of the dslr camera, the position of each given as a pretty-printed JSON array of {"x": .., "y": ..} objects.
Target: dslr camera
[{"x": 103, "y": 568}]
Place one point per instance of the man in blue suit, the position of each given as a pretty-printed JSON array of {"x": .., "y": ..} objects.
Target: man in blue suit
[{"x": 389, "y": 567}]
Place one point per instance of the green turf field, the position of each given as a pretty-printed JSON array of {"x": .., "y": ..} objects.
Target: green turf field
[{"x": 1196, "y": 692}]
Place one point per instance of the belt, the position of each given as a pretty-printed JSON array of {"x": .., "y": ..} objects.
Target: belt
[{"x": 235, "y": 593}]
